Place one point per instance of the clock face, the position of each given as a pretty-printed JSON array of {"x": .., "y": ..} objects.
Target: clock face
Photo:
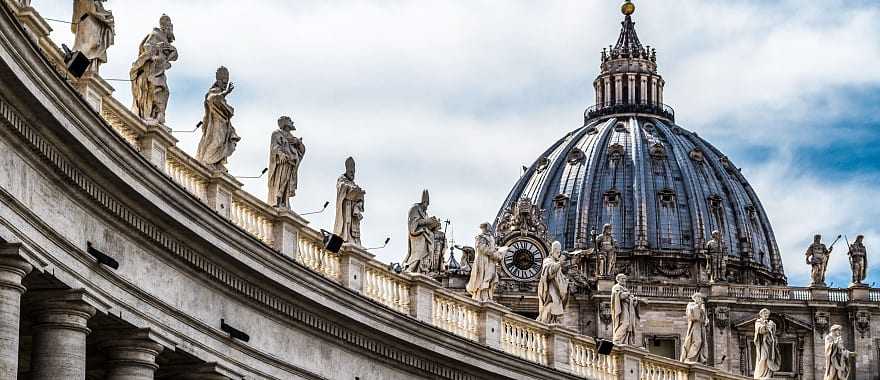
[{"x": 523, "y": 260}]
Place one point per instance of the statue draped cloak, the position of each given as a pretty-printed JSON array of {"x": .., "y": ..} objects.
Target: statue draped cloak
[
  {"x": 624, "y": 316},
  {"x": 149, "y": 86},
  {"x": 552, "y": 291},
  {"x": 218, "y": 135},
  {"x": 93, "y": 26},
  {"x": 421, "y": 239},
  {"x": 484, "y": 274},
  {"x": 349, "y": 210},
  {"x": 694, "y": 349},
  {"x": 837, "y": 359},
  {"x": 767, "y": 356},
  {"x": 285, "y": 154}
]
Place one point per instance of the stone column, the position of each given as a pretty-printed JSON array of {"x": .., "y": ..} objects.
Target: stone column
[
  {"x": 654, "y": 91},
  {"x": 618, "y": 89},
  {"x": 644, "y": 99},
  {"x": 607, "y": 93},
  {"x": 59, "y": 342},
  {"x": 130, "y": 354},
  {"x": 598, "y": 91},
  {"x": 631, "y": 89},
  {"x": 12, "y": 271}
]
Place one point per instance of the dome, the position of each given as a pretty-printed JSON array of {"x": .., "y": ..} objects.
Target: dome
[{"x": 662, "y": 188}]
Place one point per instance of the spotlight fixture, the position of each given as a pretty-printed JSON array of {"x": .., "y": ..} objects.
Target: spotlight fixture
[
  {"x": 258, "y": 176},
  {"x": 326, "y": 203},
  {"x": 77, "y": 62},
  {"x": 332, "y": 242},
  {"x": 101, "y": 256},
  {"x": 234, "y": 332},
  {"x": 603, "y": 347}
]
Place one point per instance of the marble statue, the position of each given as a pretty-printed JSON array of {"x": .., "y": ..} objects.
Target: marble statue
[
  {"x": 838, "y": 360},
  {"x": 484, "y": 271},
  {"x": 817, "y": 257},
  {"x": 624, "y": 313},
  {"x": 695, "y": 346},
  {"x": 421, "y": 236},
  {"x": 716, "y": 258},
  {"x": 349, "y": 205},
  {"x": 218, "y": 135},
  {"x": 606, "y": 248},
  {"x": 767, "y": 356},
  {"x": 286, "y": 151},
  {"x": 858, "y": 260},
  {"x": 552, "y": 287},
  {"x": 149, "y": 86},
  {"x": 94, "y": 29}
]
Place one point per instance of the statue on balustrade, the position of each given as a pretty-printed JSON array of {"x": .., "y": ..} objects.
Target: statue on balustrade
[
  {"x": 767, "y": 355},
  {"x": 349, "y": 206},
  {"x": 149, "y": 86},
  {"x": 552, "y": 287},
  {"x": 218, "y": 135},
  {"x": 94, "y": 29},
  {"x": 695, "y": 346},
  {"x": 606, "y": 249},
  {"x": 624, "y": 313},
  {"x": 286, "y": 151},
  {"x": 484, "y": 271},
  {"x": 716, "y": 258},
  {"x": 858, "y": 260},
  {"x": 817, "y": 257},
  {"x": 838, "y": 360},
  {"x": 421, "y": 236}
]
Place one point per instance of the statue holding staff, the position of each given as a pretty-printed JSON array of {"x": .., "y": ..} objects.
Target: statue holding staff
[
  {"x": 421, "y": 236},
  {"x": 349, "y": 205},
  {"x": 858, "y": 261},
  {"x": 817, "y": 257},
  {"x": 286, "y": 151}
]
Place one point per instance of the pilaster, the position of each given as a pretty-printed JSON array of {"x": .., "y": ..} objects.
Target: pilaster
[
  {"x": 219, "y": 190},
  {"x": 421, "y": 293},
  {"x": 559, "y": 344},
  {"x": 353, "y": 264},
  {"x": 154, "y": 144},
  {"x": 491, "y": 318},
  {"x": 13, "y": 269},
  {"x": 93, "y": 89},
  {"x": 60, "y": 330},
  {"x": 285, "y": 232}
]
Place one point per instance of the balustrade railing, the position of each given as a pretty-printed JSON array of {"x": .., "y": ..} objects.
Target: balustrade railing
[
  {"x": 874, "y": 295},
  {"x": 667, "y": 291},
  {"x": 311, "y": 253},
  {"x": 770, "y": 292},
  {"x": 521, "y": 339},
  {"x": 251, "y": 220},
  {"x": 386, "y": 288},
  {"x": 838, "y": 295},
  {"x": 456, "y": 316},
  {"x": 586, "y": 361},
  {"x": 185, "y": 175},
  {"x": 657, "y": 370},
  {"x": 116, "y": 121}
]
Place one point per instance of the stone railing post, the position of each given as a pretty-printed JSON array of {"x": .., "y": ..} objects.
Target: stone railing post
[
  {"x": 219, "y": 190},
  {"x": 154, "y": 145},
  {"x": 701, "y": 372},
  {"x": 93, "y": 89},
  {"x": 630, "y": 367},
  {"x": 352, "y": 266},
  {"x": 819, "y": 293},
  {"x": 491, "y": 328},
  {"x": 421, "y": 293},
  {"x": 559, "y": 346},
  {"x": 719, "y": 290},
  {"x": 13, "y": 268},
  {"x": 285, "y": 232}
]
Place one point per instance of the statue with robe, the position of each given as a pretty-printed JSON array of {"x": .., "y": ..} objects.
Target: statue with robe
[
  {"x": 858, "y": 261},
  {"x": 624, "y": 313},
  {"x": 606, "y": 248},
  {"x": 767, "y": 355},
  {"x": 817, "y": 257},
  {"x": 349, "y": 206},
  {"x": 94, "y": 30},
  {"x": 421, "y": 237},
  {"x": 838, "y": 360},
  {"x": 149, "y": 86},
  {"x": 552, "y": 287},
  {"x": 484, "y": 272},
  {"x": 286, "y": 151},
  {"x": 218, "y": 135},
  {"x": 694, "y": 348},
  {"x": 716, "y": 258}
]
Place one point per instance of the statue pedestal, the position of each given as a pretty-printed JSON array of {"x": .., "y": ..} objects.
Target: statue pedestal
[
  {"x": 819, "y": 293},
  {"x": 604, "y": 284},
  {"x": 719, "y": 290},
  {"x": 859, "y": 292},
  {"x": 421, "y": 296}
]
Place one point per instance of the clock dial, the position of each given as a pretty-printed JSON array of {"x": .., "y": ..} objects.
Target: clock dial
[{"x": 523, "y": 261}]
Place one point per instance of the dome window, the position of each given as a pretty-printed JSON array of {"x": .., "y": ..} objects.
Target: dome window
[
  {"x": 621, "y": 127},
  {"x": 753, "y": 213},
  {"x": 576, "y": 156},
  {"x": 715, "y": 202},
  {"x": 612, "y": 198},
  {"x": 592, "y": 130},
  {"x": 696, "y": 155},
  {"x": 666, "y": 197},
  {"x": 649, "y": 128},
  {"x": 658, "y": 152},
  {"x": 616, "y": 151},
  {"x": 560, "y": 201},
  {"x": 727, "y": 165},
  {"x": 543, "y": 163}
]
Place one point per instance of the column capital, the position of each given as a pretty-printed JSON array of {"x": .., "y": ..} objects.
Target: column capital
[
  {"x": 60, "y": 308},
  {"x": 206, "y": 371},
  {"x": 13, "y": 267}
]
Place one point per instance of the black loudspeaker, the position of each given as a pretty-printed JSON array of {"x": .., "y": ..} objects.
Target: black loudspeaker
[
  {"x": 102, "y": 257},
  {"x": 332, "y": 242},
  {"x": 234, "y": 332},
  {"x": 77, "y": 64},
  {"x": 603, "y": 347}
]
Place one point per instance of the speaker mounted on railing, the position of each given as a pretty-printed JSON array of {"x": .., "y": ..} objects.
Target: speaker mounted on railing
[{"x": 332, "y": 242}]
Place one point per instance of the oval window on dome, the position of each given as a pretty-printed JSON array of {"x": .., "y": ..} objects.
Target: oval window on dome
[
  {"x": 575, "y": 156},
  {"x": 648, "y": 127},
  {"x": 612, "y": 198},
  {"x": 620, "y": 127},
  {"x": 616, "y": 151}
]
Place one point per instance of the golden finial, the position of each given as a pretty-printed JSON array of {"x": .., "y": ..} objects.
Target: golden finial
[{"x": 627, "y": 8}]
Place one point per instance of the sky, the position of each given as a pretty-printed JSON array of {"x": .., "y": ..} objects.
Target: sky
[{"x": 455, "y": 96}]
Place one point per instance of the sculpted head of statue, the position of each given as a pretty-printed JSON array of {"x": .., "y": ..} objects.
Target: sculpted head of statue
[
  {"x": 286, "y": 123},
  {"x": 556, "y": 250},
  {"x": 835, "y": 330},
  {"x": 621, "y": 279},
  {"x": 859, "y": 239},
  {"x": 485, "y": 227},
  {"x": 349, "y": 168},
  {"x": 716, "y": 235},
  {"x": 817, "y": 238},
  {"x": 764, "y": 314},
  {"x": 697, "y": 297},
  {"x": 166, "y": 26},
  {"x": 426, "y": 198},
  {"x": 607, "y": 229}
]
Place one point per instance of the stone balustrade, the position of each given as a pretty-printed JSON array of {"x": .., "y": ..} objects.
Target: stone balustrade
[
  {"x": 838, "y": 295},
  {"x": 586, "y": 361},
  {"x": 311, "y": 253},
  {"x": 874, "y": 295},
  {"x": 387, "y": 288},
  {"x": 524, "y": 338},
  {"x": 251, "y": 219},
  {"x": 770, "y": 292},
  {"x": 125, "y": 129},
  {"x": 185, "y": 174},
  {"x": 455, "y": 315},
  {"x": 652, "y": 369},
  {"x": 667, "y": 291}
]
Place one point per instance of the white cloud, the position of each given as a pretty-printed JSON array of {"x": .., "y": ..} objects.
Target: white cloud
[{"x": 455, "y": 96}]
